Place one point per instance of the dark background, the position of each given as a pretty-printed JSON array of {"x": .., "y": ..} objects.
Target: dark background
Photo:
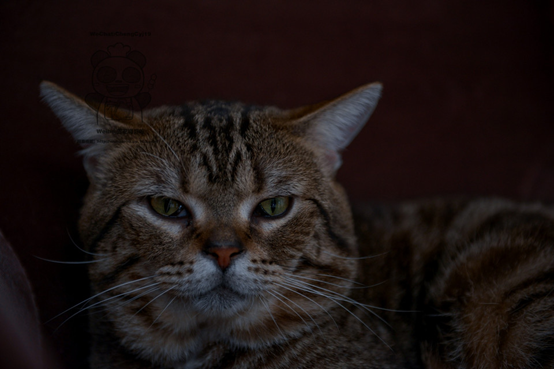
[{"x": 467, "y": 105}]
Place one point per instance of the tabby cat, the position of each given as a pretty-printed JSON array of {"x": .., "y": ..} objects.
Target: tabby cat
[{"x": 220, "y": 239}]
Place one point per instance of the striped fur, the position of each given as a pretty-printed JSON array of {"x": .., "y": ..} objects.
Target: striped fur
[{"x": 436, "y": 284}]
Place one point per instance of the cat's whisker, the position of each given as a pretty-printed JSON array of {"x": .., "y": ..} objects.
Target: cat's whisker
[
  {"x": 349, "y": 280},
  {"x": 98, "y": 294},
  {"x": 160, "y": 314},
  {"x": 354, "y": 257},
  {"x": 351, "y": 313},
  {"x": 119, "y": 296},
  {"x": 306, "y": 323},
  {"x": 154, "y": 299},
  {"x": 70, "y": 262},
  {"x": 306, "y": 297},
  {"x": 344, "y": 298},
  {"x": 101, "y": 302},
  {"x": 317, "y": 325},
  {"x": 292, "y": 269},
  {"x": 348, "y": 299},
  {"x": 362, "y": 286},
  {"x": 389, "y": 310},
  {"x": 273, "y": 318},
  {"x": 157, "y": 157},
  {"x": 332, "y": 284},
  {"x": 80, "y": 248},
  {"x": 154, "y": 288}
]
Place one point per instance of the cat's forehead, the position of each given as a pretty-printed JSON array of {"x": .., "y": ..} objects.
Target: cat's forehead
[
  {"x": 215, "y": 117},
  {"x": 230, "y": 147}
]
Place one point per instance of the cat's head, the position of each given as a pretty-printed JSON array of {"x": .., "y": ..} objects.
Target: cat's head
[{"x": 224, "y": 209}]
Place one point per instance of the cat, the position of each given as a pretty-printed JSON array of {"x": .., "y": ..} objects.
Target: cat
[{"x": 221, "y": 239}]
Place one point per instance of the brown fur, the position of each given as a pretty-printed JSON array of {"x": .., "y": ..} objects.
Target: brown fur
[{"x": 437, "y": 284}]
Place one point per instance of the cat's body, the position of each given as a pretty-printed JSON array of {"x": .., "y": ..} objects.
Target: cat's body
[{"x": 221, "y": 240}]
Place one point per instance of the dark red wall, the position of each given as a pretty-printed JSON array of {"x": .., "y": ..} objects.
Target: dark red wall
[{"x": 467, "y": 106}]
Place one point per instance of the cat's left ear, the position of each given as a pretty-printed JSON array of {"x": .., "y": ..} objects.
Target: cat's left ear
[
  {"x": 82, "y": 121},
  {"x": 332, "y": 125}
]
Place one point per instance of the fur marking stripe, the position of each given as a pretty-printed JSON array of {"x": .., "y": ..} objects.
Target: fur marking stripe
[
  {"x": 106, "y": 228},
  {"x": 339, "y": 241}
]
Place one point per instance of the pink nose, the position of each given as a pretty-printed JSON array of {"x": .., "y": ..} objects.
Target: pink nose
[{"x": 223, "y": 255}]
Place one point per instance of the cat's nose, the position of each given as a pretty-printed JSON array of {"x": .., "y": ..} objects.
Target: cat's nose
[{"x": 223, "y": 255}]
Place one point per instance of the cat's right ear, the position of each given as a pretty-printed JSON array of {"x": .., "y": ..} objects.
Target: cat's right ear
[
  {"x": 330, "y": 126},
  {"x": 79, "y": 119}
]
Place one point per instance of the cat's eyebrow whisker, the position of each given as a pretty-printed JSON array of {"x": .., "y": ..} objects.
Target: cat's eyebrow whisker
[
  {"x": 80, "y": 248},
  {"x": 355, "y": 258},
  {"x": 70, "y": 262},
  {"x": 157, "y": 157},
  {"x": 101, "y": 302},
  {"x": 350, "y": 312},
  {"x": 98, "y": 294},
  {"x": 306, "y": 297},
  {"x": 285, "y": 297},
  {"x": 165, "y": 142}
]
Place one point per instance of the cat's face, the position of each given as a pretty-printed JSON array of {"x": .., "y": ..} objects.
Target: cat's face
[{"x": 221, "y": 211}]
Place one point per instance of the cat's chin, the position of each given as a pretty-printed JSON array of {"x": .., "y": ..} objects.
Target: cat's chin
[{"x": 221, "y": 301}]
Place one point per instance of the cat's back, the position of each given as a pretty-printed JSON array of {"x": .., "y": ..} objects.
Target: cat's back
[{"x": 448, "y": 266}]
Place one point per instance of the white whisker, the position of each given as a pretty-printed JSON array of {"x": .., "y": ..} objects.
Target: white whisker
[
  {"x": 98, "y": 294},
  {"x": 70, "y": 262},
  {"x": 355, "y": 258},
  {"x": 319, "y": 280},
  {"x": 350, "y": 312},
  {"x": 157, "y": 157},
  {"x": 81, "y": 249},
  {"x": 273, "y": 318},
  {"x": 154, "y": 299},
  {"x": 348, "y": 299},
  {"x": 344, "y": 298},
  {"x": 306, "y": 297},
  {"x": 160, "y": 314},
  {"x": 101, "y": 302},
  {"x": 161, "y": 138},
  {"x": 307, "y": 325}
]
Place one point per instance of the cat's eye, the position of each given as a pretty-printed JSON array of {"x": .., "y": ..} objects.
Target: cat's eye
[
  {"x": 168, "y": 207},
  {"x": 273, "y": 207}
]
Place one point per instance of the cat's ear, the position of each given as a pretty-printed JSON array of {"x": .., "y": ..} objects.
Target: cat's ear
[
  {"x": 332, "y": 125},
  {"x": 76, "y": 116},
  {"x": 81, "y": 120}
]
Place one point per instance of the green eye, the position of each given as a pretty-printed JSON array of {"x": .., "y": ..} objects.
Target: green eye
[
  {"x": 274, "y": 207},
  {"x": 168, "y": 207}
]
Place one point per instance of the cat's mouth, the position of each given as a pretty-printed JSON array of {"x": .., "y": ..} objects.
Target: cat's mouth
[
  {"x": 220, "y": 300},
  {"x": 223, "y": 291}
]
